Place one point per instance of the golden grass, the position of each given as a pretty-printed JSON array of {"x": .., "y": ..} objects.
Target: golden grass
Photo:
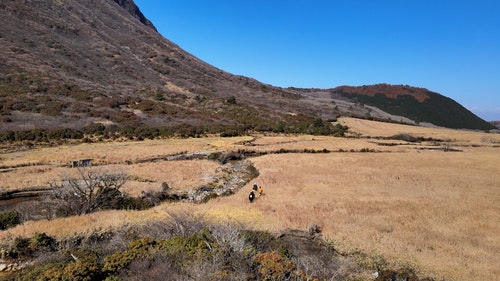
[
  {"x": 177, "y": 174},
  {"x": 435, "y": 210},
  {"x": 374, "y": 129},
  {"x": 417, "y": 208},
  {"x": 42, "y": 165}
]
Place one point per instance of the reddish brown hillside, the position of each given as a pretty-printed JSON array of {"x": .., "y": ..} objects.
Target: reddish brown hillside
[{"x": 390, "y": 91}]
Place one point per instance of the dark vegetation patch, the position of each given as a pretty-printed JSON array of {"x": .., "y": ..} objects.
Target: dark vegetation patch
[
  {"x": 410, "y": 138},
  {"x": 443, "y": 148},
  {"x": 97, "y": 132},
  {"x": 188, "y": 247},
  {"x": 10, "y": 219},
  {"x": 398, "y": 100}
]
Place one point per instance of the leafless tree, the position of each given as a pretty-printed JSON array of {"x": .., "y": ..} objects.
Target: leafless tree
[{"x": 92, "y": 189}]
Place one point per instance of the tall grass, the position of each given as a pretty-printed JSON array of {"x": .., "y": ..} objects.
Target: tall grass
[{"x": 437, "y": 211}]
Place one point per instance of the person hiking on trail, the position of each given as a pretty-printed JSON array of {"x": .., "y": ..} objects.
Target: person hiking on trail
[
  {"x": 251, "y": 196},
  {"x": 260, "y": 190},
  {"x": 255, "y": 187}
]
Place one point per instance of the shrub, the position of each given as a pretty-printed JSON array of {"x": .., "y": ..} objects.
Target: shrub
[
  {"x": 10, "y": 219},
  {"x": 139, "y": 248},
  {"x": 214, "y": 156},
  {"x": 21, "y": 248},
  {"x": 82, "y": 271},
  {"x": 27, "y": 247},
  {"x": 197, "y": 245},
  {"x": 86, "y": 267},
  {"x": 92, "y": 190},
  {"x": 231, "y": 100},
  {"x": 262, "y": 241},
  {"x": 273, "y": 266},
  {"x": 42, "y": 241},
  {"x": 184, "y": 250}
]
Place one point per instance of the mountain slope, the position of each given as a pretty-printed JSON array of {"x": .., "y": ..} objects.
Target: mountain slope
[
  {"x": 81, "y": 64},
  {"x": 418, "y": 104},
  {"x": 73, "y": 63}
]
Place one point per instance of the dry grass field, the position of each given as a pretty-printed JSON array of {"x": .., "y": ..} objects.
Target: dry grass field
[{"x": 413, "y": 203}]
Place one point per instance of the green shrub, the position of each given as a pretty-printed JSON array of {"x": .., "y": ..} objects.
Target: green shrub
[
  {"x": 42, "y": 241},
  {"x": 86, "y": 267},
  {"x": 27, "y": 247},
  {"x": 138, "y": 248},
  {"x": 197, "y": 245},
  {"x": 182, "y": 249},
  {"x": 21, "y": 248},
  {"x": 10, "y": 219}
]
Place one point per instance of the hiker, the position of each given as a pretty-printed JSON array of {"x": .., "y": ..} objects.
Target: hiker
[
  {"x": 260, "y": 190},
  {"x": 251, "y": 196},
  {"x": 255, "y": 187}
]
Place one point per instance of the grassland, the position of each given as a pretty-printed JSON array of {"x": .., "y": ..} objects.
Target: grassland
[{"x": 431, "y": 204}]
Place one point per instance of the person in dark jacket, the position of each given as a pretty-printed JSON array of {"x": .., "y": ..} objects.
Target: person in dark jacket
[{"x": 251, "y": 196}]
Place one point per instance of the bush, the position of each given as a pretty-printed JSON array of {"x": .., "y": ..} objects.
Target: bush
[
  {"x": 27, "y": 247},
  {"x": 10, "y": 219},
  {"x": 139, "y": 248},
  {"x": 42, "y": 241},
  {"x": 262, "y": 241},
  {"x": 274, "y": 266},
  {"x": 223, "y": 158},
  {"x": 93, "y": 189},
  {"x": 231, "y": 100},
  {"x": 183, "y": 250},
  {"x": 86, "y": 267}
]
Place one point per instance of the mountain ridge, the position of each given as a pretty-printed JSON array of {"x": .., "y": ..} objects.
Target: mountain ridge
[
  {"x": 71, "y": 64},
  {"x": 419, "y": 104},
  {"x": 132, "y": 8}
]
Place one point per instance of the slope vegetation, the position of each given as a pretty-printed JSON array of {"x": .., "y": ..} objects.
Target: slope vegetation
[
  {"x": 72, "y": 64},
  {"x": 417, "y": 104}
]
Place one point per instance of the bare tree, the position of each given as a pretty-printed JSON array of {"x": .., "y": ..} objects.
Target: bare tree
[{"x": 90, "y": 190}]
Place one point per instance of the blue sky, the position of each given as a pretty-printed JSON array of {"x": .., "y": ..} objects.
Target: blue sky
[{"x": 447, "y": 46}]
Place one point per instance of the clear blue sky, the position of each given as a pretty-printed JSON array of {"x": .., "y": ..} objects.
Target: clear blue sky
[{"x": 447, "y": 46}]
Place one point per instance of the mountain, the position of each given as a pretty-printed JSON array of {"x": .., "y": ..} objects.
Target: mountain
[
  {"x": 101, "y": 65},
  {"x": 418, "y": 104},
  {"x": 75, "y": 63}
]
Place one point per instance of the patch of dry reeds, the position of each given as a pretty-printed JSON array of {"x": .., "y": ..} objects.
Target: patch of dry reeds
[{"x": 435, "y": 210}]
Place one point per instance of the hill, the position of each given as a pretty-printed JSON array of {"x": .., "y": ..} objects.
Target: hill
[
  {"x": 103, "y": 66},
  {"x": 418, "y": 104},
  {"x": 71, "y": 64}
]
